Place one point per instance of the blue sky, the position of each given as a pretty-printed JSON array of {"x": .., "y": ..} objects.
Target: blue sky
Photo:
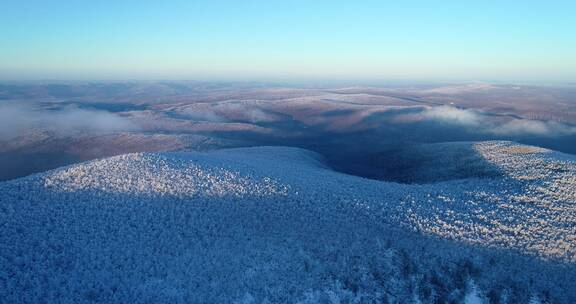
[{"x": 290, "y": 39}]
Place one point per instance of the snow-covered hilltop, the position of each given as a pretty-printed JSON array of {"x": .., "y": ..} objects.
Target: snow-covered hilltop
[{"x": 275, "y": 225}]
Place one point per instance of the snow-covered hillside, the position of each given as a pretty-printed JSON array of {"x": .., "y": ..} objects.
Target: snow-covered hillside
[{"x": 275, "y": 225}]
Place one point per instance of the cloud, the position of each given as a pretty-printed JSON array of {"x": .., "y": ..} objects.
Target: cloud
[
  {"x": 453, "y": 115},
  {"x": 16, "y": 119},
  {"x": 479, "y": 122},
  {"x": 532, "y": 127},
  {"x": 228, "y": 112},
  {"x": 245, "y": 112},
  {"x": 202, "y": 114}
]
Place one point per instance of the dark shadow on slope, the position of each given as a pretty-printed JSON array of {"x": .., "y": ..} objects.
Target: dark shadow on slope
[
  {"x": 410, "y": 153},
  {"x": 427, "y": 163},
  {"x": 19, "y": 164}
]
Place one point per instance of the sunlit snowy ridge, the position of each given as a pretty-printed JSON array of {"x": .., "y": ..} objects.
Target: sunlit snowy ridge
[
  {"x": 275, "y": 224},
  {"x": 158, "y": 174}
]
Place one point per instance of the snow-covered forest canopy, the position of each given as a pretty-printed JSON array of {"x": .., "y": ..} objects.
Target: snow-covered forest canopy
[{"x": 276, "y": 225}]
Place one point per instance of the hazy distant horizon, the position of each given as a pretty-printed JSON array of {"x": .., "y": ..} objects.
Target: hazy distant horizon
[
  {"x": 289, "y": 79},
  {"x": 297, "y": 82}
]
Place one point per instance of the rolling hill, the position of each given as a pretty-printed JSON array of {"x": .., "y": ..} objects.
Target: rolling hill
[{"x": 276, "y": 224}]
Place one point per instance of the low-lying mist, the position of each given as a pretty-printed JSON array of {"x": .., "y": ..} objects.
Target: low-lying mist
[
  {"x": 384, "y": 134},
  {"x": 18, "y": 119},
  {"x": 399, "y": 144}
]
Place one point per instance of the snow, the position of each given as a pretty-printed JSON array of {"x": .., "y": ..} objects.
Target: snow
[
  {"x": 473, "y": 296},
  {"x": 275, "y": 225}
]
